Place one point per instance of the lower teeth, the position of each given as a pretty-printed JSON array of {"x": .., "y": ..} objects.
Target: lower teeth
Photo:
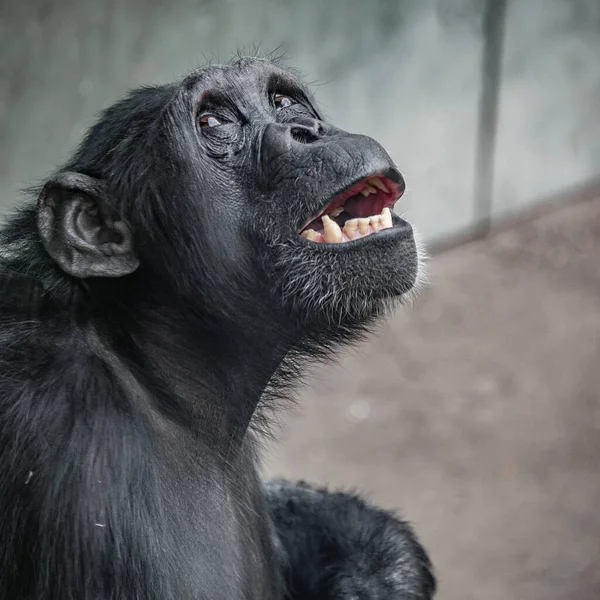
[{"x": 352, "y": 230}]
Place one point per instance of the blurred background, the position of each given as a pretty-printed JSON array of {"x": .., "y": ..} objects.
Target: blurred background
[{"x": 477, "y": 413}]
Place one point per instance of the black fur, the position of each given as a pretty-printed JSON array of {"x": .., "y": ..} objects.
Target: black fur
[
  {"x": 337, "y": 547},
  {"x": 154, "y": 294}
]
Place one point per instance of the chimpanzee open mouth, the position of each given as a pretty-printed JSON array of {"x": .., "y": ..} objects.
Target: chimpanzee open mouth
[{"x": 360, "y": 210}]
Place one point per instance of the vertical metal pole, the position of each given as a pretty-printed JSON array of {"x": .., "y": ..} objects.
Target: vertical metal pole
[{"x": 494, "y": 18}]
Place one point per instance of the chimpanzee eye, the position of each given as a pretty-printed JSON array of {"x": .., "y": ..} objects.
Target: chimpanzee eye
[
  {"x": 282, "y": 101},
  {"x": 207, "y": 120}
]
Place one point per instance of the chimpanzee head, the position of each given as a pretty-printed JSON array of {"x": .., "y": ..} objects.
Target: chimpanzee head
[{"x": 230, "y": 191}]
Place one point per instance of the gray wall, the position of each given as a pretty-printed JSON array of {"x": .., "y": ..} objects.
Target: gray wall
[
  {"x": 549, "y": 128},
  {"x": 407, "y": 72}
]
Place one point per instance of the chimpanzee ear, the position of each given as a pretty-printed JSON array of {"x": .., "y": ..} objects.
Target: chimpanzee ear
[{"x": 80, "y": 229}]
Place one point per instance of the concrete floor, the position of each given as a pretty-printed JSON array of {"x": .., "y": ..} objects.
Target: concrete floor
[{"x": 477, "y": 414}]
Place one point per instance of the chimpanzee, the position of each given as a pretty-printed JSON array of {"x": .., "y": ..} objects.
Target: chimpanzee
[{"x": 160, "y": 295}]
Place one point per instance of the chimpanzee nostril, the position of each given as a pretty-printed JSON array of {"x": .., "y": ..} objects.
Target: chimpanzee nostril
[{"x": 306, "y": 135}]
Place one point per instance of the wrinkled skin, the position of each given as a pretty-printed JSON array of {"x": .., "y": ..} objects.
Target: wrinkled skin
[{"x": 156, "y": 303}]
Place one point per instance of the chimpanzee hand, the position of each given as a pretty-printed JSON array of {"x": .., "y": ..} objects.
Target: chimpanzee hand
[{"x": 336, "y": 547}]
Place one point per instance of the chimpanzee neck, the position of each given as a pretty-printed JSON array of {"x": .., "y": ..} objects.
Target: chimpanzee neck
[{"x": 210, "y": 375}]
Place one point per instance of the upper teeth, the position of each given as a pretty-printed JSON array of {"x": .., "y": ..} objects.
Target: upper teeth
[
  {"x": 353, "y": 228},
  {"x": 372, "y": 185},
  {"x": 379, "y": 184},
  {"x": 368, "y": 189}
]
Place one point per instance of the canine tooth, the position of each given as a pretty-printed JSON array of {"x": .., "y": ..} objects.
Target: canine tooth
[
  {"x": 337, "y": 211},
  {"x": 332, "y": 233},
  {"x": 350, "y": 228},
  {"x": 310, "y": 234},
  {"x": 386, "y": 215},
  {"x": 379, "y": 184},
  {"x": 375, "y": 223},
  {"x": 365, "y": 192},
  {"x": 363, "y": 226}
]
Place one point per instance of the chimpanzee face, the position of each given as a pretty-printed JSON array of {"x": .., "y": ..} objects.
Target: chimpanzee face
[
  {"x": 310, "y": 202},
  {"x": 231, "y": 182}
]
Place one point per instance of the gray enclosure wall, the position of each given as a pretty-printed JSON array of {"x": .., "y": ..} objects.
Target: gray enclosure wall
[{"x": 408, "y": 72}]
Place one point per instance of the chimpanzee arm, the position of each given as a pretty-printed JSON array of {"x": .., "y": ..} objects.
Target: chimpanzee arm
[{"x": 337, "y": 547}]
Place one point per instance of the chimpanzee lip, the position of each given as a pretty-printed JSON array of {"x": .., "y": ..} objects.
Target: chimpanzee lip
[{"x": 359, "y": 210}]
